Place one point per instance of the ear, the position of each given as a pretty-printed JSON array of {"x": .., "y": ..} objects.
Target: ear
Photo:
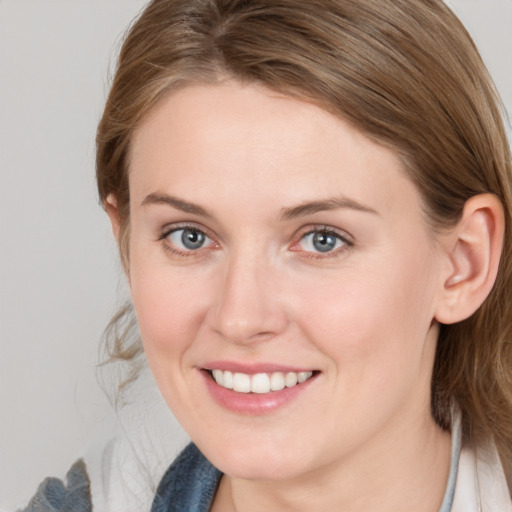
[
  {"x": 473, "y": 249},
  {"x": 112, "y": 210}
]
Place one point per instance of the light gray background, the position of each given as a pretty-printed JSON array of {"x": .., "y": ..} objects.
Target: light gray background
[{"x": 59, "y": 274}]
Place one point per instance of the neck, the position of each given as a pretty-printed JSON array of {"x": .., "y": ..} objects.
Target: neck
[{"x": 404, "y": 469}]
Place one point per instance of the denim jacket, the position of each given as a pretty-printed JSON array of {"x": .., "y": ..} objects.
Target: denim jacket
[{"x": 189, "y": 484}]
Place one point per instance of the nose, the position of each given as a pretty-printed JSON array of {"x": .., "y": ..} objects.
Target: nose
[{"x": 248, "y": 306}]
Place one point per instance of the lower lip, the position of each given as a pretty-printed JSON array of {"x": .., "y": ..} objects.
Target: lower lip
[{"x": 253, "y": 403}]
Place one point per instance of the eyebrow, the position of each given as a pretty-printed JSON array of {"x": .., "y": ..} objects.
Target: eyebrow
[
  {"x": 301, "y": 210},
  {"x": 312, "y": 207},
  {"x": 179, "y": 204}
]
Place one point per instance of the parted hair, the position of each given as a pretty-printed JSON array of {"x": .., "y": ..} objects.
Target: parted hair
[{"x": 403, "y": 72}]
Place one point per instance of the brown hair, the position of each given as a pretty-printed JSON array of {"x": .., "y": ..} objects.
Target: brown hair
[{"x": 405, "y": 73}]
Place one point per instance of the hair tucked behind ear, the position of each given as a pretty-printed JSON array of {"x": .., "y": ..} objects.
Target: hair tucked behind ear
[{"x": 406, "y": 74}]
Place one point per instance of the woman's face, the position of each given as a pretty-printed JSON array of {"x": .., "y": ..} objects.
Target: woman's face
[{"x": 271, "y": 242}]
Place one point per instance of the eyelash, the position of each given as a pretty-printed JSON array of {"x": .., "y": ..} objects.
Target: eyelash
[
  {"x": 328, "y": 231},
  {"x": 315, "y": 255},
  {"x": 178, "y": 252}
]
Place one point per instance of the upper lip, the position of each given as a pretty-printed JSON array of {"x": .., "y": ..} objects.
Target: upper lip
[{"x": 253, "y": 368}]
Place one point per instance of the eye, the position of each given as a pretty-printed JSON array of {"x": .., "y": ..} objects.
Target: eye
[
  {"x": 321, "y": 241},
  {"x": 188, "y": 239}
]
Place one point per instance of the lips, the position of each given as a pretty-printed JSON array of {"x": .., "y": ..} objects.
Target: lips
[{"x": 255, "y": 389}]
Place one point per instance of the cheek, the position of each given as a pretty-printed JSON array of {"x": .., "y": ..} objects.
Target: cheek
[
  {"x": 378, "y": 313},
  {"x": 170, "y": 305}
]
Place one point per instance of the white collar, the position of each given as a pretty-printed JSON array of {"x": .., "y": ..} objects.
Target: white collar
[
  {"x": 477, "y": 481},
  {"x": 481, "y": 484}
]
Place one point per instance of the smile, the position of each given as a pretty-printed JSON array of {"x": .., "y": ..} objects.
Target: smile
[{"x": 260, "y": 383}]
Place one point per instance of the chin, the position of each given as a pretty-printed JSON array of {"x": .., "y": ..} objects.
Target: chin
[{"x": 257, "y": 462}]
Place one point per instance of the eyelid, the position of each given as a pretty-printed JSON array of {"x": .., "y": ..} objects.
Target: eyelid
[
  {"x": 325, "y": 228},
  {"x": 346, "y": 238},
  {"x": 168, "y": 229}
]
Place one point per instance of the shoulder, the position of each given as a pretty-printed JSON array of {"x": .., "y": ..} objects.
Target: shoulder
[
  {"x": 73, "y": 495},
  {"x": 190, "y": 483}
]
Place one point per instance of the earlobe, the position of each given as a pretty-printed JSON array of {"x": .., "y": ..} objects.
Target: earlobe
[
  {"x": 110, "y": 205},
  {"x": 474, "y": 251}
]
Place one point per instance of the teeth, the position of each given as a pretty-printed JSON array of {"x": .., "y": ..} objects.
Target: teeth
[
  {"x": 227, "y": 380},
  {"x": 260, "y": 382},
  {"x": 241, "y": 383},
  {"x": 218, "y": 375},
  {"x": 290, "y": 380},
  {"x": 277, "y": 381},
  {"x": 301, "y": 377}
]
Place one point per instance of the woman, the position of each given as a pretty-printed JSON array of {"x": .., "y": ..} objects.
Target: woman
[{"x": 312, "y": 203}]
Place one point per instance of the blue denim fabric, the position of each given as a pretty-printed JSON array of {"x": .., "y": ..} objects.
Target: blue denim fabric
[
  {"x": 188, "y": 485},
  {"x": 53, "y": 496}
]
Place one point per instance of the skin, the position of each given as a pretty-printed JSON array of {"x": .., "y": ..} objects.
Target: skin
[{"x": 360, "y": 436}]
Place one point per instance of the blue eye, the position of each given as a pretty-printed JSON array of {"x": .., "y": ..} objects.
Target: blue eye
[
  {"x": 188, "y": 239},
  {"x": 322, "y": 241}
]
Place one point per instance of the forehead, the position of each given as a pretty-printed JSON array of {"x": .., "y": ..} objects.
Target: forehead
[{"x": 246, "y": 141}]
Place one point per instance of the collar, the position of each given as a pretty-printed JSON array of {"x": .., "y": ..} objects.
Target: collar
[{"x": 476, "y": 482}]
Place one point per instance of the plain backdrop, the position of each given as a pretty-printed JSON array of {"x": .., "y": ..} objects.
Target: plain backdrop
[{"x": 59, "y": 272}]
